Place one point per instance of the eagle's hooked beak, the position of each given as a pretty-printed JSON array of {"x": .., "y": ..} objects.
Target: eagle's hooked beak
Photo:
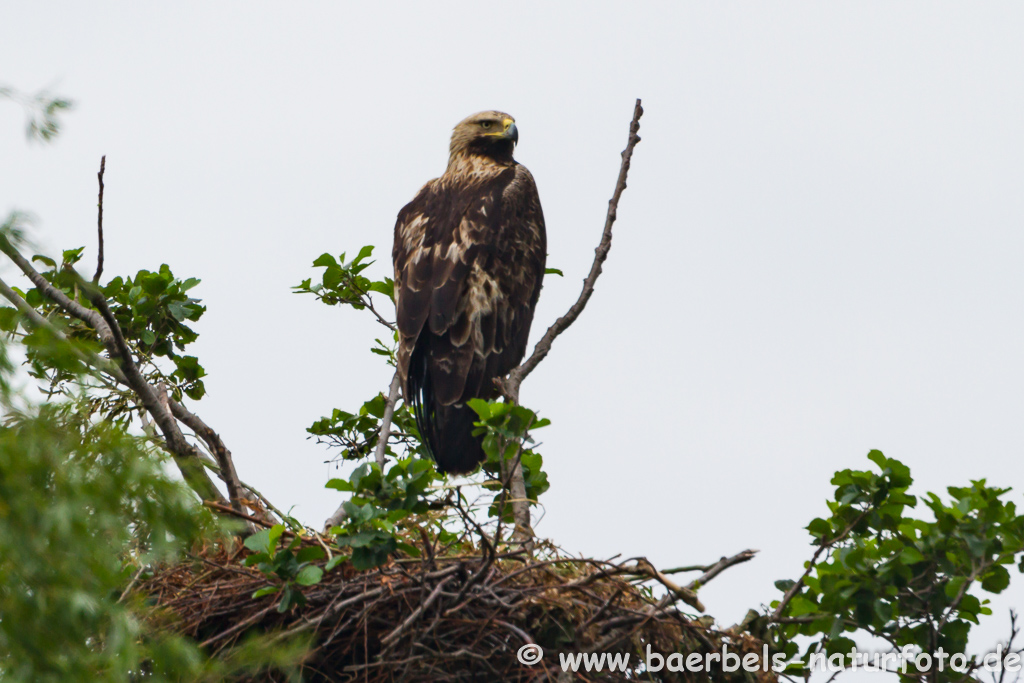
[{"x": 511, "y": 132}]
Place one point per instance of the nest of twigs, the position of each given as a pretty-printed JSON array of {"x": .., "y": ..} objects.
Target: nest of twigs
[{"x": 454, "y": 618}]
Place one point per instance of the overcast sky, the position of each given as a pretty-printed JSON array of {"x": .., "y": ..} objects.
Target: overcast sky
[{"x": 819, "y": 251}]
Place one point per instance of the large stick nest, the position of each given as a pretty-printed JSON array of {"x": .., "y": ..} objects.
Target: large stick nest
[{"x": 455, "y": 618}]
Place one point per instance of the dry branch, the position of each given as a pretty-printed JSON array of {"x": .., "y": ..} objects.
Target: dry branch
[
  {"x": 540, "y": 351},
  {"x": 99, "y": 222},
  {"x": 509, "y": 386}
]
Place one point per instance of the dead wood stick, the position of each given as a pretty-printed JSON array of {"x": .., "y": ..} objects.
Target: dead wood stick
[
  {"x": 99, "y": 221},
  {"x": 719, "y": 567},
  {"x": 509, "y": 386}
]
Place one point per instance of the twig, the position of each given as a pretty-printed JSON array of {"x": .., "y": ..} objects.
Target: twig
[
  {"x": 719, "y": 567},
  {"x": 99, "y": 221},
  {"x": 960, "y": 596},
  {"x": 385, "y": 422},
  {"x": 644, "y": 567},
  {"x": 543, "y": 347},
  {"x": 227, "y": 509},
  {"x": 131, "y": 584},
  {"x": 434, "y": 595},
  {"x": 509, "y": 386}
]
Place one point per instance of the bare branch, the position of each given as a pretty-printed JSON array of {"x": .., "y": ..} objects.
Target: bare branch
[
  {"x": 543, "y": 347},
  {"x": 99, "y": 221},
  {"x": 509, "y": 386},
  {"x": 385, "y": 422},
  {"x": 645, "y": 568},
  {"x": 720, "y": 566},
  {"x": 216, "y": 446}
]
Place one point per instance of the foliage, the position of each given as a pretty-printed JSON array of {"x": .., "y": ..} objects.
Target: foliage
[
  {"x": 75, "y": 499},
  {"x": 292, "y": 565},
  {"x": 505, "y": 431},
  {"x": 42, "y": 111},
  {"x": 899, "y": 577},
  {"x": 152, "y": 309}
]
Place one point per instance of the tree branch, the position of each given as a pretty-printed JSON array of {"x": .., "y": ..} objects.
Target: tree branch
[
  {"x": 382, "y": 441},
  {"x": 185, "y": 455},
  {"x": 217, "y": 447},
  {"x": 720, "y": 566},
  {"x": 543, "y": 347},
  {"x": 385, "y": 422},
  {"x": 509, "y": 386},
  {"x": 99, "y": 221}
]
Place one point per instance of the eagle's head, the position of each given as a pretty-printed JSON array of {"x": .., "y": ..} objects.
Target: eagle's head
[{"x": 488, "y": 133}]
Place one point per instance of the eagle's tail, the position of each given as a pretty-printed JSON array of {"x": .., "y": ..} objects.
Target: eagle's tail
[{"x": 446, "y": 431}]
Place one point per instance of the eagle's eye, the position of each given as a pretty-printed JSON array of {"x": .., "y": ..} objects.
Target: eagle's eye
[{"x": 485, "y": 124}]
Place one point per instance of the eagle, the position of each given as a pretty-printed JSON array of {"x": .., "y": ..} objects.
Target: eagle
[{"x": 469, "y": 258}]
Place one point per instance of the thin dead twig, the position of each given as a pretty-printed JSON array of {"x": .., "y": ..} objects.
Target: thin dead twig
[
  {"x": 720, "y": 566},
  {"x": 543, "y": 347},
  {"x": 99, "y": 221},
  {"x": 509, "y": 386}
]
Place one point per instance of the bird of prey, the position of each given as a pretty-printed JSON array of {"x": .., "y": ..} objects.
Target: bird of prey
[{"x": 469, "y": 259}]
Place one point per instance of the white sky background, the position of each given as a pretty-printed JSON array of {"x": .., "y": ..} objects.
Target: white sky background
[{"x": 819, "y": 251}]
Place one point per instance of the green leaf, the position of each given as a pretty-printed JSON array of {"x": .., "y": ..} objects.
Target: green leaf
[
  {"x": 911, "y": 555},
  {"x": 819, "y": 528},
  {"x": 996, "y": 580},
  {"x": 273, "y": 535},
  {"x": 335, "y": 561},
  {"x": 310, "y": 553},
  {"x": 256, "y": 558},
  {"x": 46, "y": 260},
  {"x": 324, "y": 260},
  {"x": 267, "y": 590},
  {"x": 953, "y": 587},
  {"x": 553, "y": 271},
  {"x": 259, "y": 541},
  {"x": 408, "y": 549},
  {"x": 309, "y": 575},
  {"x": 9, "y": 318},
  {"x": 365, "y": 252}
]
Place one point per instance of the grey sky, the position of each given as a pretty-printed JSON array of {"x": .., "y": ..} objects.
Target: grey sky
[{"x": 819, "y": 252}]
